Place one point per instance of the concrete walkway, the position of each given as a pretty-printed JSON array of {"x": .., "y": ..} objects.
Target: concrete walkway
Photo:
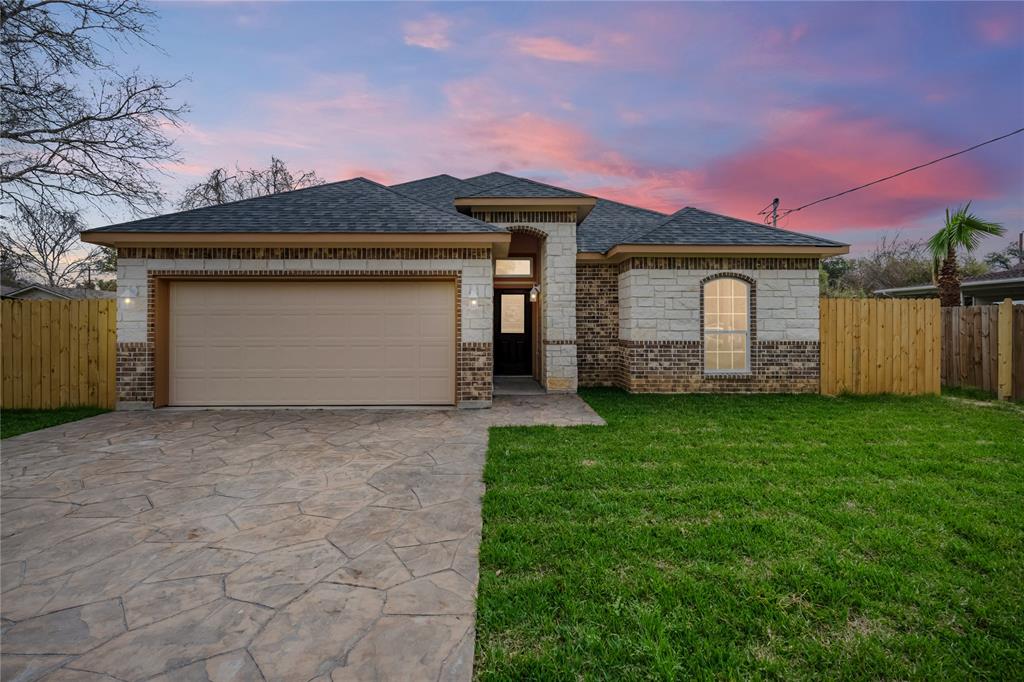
[{"x": 247, "y": 545}]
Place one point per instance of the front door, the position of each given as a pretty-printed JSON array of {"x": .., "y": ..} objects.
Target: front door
[{"x": 513, "y": 316}]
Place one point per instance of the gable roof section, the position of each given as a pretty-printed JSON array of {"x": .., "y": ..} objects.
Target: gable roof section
[
  {"x": 692, "y": 226},
  {"x": 611, "y": 223},
  {"x": 490, "y": 186},
  {"x": 351, "y": 206},
  {"x": 439, "y": 191}
]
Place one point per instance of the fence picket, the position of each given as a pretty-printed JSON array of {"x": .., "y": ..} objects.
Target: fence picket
[
  {"x": 53, "y": 352},
  {"x": 880, "y": 346}
]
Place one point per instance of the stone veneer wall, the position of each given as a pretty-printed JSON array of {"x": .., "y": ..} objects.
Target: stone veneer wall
[
  {"x": 661, "y": 336},
  {"x": 471, "y": 267},
  {"x": 558, "y": 300},
  {"x": 597, "y": 324}
]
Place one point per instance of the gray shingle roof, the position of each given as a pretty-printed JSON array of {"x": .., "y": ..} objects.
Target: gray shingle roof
[
  {"x": 692, "y": 226},
  {"x": 357, "y": 205},
  {"x": 610, "y": 223},
  {"x": 518, "y": 188},
  {"x": 439, "y": 191},
  {"x": 427, "y": 205},
  {"x": 489, "y": 180}
]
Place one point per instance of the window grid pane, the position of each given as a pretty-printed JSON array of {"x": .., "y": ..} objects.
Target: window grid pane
[{"x": 726, "y": 325}]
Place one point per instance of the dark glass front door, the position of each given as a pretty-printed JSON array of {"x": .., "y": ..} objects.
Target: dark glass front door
[{"x": 513, "y": 321}]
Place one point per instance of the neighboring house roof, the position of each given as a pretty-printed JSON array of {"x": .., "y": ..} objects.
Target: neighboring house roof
[
  {"x": 358, "y": 206},
  {"x": 694, "y": 226},
  {"x": 58, "y": 292},
  {"x": 1012, "y": 276}
]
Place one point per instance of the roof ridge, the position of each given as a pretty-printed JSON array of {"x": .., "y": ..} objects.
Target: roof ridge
[
  {"x": 516, "y": 178},
  {"x": 429, "y": 177},
  {"x": 422, "y": 203},
  {"x": 672, "y": 217}
]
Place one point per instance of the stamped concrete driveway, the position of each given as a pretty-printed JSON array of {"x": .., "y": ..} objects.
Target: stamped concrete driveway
[{"x": 247, "y": 545}]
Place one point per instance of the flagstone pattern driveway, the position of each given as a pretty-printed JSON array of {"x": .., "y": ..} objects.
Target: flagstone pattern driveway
[{"x": 246, "y": 545}]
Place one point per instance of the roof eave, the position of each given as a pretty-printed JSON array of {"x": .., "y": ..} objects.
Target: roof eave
[
  {"x": 622, "y": 251},
  {"x": 583, "y": 205},
  {"x": 301, "y": 239}
]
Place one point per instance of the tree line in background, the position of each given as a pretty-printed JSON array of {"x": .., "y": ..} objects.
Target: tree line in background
[{"x": 945, "y": 259}]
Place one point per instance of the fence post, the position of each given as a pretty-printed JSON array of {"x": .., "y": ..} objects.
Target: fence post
[{"x": 1005, "y": 349}]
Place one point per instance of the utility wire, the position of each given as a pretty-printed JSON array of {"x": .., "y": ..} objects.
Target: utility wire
[{"x": 787, "y": 211}]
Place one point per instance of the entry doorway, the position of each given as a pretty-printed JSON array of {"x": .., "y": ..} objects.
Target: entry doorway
[{"x": 513, "y": 332}]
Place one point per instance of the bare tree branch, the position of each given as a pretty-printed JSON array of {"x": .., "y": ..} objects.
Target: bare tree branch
[
  {"x": 72, "y": 126},
  {"x": 44, "y": 243},
  {"x": 219, "y": 187}
]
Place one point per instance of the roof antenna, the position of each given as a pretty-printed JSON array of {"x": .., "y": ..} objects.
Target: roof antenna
[{"x": 775, "y": 212}]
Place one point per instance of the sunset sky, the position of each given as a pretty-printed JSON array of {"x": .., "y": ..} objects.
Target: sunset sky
[{"x": 719, "y": 106}]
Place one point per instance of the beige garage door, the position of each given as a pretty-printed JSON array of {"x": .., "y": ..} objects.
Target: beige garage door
[{"x": 311, "y": 343}]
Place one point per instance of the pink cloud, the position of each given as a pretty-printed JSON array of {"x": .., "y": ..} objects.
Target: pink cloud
[
  {"x": 343, "y": 126},
  {"x": 1000, "y": 28},
  {"x": 430, "y": 32},
  {"x": 554, "y": 49},
  {"x": 813, "y": 153}
]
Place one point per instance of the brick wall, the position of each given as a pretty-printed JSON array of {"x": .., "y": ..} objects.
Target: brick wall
[
  {"x": 476, "y": 371},
  {"x": 137, "y": 269},
  {"x": 558, "y": 300},
  {"x": 597, "y": 324},
  {"x": 135, "y": 372},
  {"x": 678, "y": 367},
  {"x": 640, "y": 325}
]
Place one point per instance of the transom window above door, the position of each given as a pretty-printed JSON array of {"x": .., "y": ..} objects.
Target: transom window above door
[{"x": 513, "y": 267}]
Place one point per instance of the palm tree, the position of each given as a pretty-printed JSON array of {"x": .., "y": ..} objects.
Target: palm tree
[{"x": 963, "y": 230}]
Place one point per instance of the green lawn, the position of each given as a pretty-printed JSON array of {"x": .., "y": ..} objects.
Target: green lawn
[
  {"x": 17, "y": 422},
  {"x": 756, "y": 537}
]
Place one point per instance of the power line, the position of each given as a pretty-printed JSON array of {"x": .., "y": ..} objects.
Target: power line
[{"x": 787, "y": 211}]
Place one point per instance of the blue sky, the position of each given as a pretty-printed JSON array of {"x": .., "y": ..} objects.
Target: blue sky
[{"x": 720, "y": 106}]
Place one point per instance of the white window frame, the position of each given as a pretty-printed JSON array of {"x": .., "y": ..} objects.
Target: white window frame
[
  {"x": 704, "y": 328},
  {"x": 528, "y": 259}
]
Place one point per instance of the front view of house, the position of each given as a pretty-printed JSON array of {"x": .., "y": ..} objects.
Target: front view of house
[{"x": 355, "y": 293}]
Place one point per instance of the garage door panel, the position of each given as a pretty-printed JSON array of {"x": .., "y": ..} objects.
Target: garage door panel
[{"x": 311, "y": 343}]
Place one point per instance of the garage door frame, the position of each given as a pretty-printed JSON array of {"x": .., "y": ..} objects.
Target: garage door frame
[{"x": 159, "y": 310}]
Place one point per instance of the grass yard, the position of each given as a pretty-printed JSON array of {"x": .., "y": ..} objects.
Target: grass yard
[
  {"x": 756, "y": 537},
  {"x": 17, "y": 422}
]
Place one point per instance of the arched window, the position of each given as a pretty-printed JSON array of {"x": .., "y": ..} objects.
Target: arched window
[{"x": 726, "y": 325}]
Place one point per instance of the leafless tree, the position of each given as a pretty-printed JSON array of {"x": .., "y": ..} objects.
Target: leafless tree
[
  {"x": 73, "y": 128},
  {"x": 220, "y": 187},
  {"x": 45, "y": 243}
]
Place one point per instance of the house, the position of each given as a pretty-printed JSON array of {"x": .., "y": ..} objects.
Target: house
[
  {"x": 992, "y": 287},
  {"x": 356, "y": 293},
  {"x": 45, "y": 292}
]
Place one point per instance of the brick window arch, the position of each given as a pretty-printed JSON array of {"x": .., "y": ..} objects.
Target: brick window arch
[
  {"x": 527, "y": 229},
  {"x": 728, "y": 322}
]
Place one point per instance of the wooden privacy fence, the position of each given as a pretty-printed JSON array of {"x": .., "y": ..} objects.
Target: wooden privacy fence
[
  {"x": 880, "y": 346},
  {"x": 983, "y": 346},
  {"x": 58, "y": 353}
]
